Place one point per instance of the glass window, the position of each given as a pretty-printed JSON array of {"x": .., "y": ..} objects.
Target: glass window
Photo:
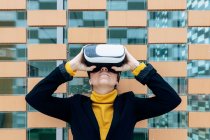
[
  {"x": 198, "y": 68},
  {"x": 198, "y": 4},
  {"x": 167, "y": 52},
  {"x": 199, "y": 35},
  {"x": 12, "y": 86},
  {"x": 13, "y": 52},
  {"x": 79, "y": 86},
  {"x": 198, "y": 134},
  {"x": 87, "y": 19},
  {"x": 42, "y": 4},
  {"x": 126, "y": 4},
  {"x": 44, "y": 35},
  {"x": 42, "y": 134},
  {"x": 41, "y": 68},
  {"x": 127, "y": 35},
  {"x": 12, "y": 119},
  {"x": 74, "y": 49},
  {"x": 167, "y": 19},
  {"x": 170, "y": 120},
  {"x": 140, "y": 134},
  {"x": 199, "y": 103},
  {"x": 12, "y": 18}
]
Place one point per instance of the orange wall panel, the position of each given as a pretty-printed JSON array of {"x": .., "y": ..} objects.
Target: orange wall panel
[
  {"x": 13, "y": 69},
  {"x": 167, "y": 35},
  {"x": 87, "y": 35},
  {"x": 87, "y": 5},
  {"x": 198, "y": 86},
  {"x": 199, "y": 52},
  {"x": 12, "y": 4},
  {"x": 12, "y": 134},
  {"x": 171, "y": 69},
  {"x": 39, "y": 120},
  {"x": 199, "y": 18},
  {"x": 127, "y": 18},
  {"x": 168, "y": 134},
  {"x": 199, "y": 119},
  {"x": 46, "y": 17},
  {"x": 12, "y": 103},
  {"x": 33, "y": 81},
  {"x": 12, "y": 35},
  {"x": 47, "y": 52},
  {"x": 138, "y": 51},
  {"x": 167, "y": 4}
]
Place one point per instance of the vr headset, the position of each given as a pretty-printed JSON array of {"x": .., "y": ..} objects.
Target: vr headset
[{"x": 104, "y": 55}]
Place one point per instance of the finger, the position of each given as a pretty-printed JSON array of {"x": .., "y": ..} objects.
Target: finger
[
  {"x": 90, "y": 68},
  {"x": 122, "y": 68}
]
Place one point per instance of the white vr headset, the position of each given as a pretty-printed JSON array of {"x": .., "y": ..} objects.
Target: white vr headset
[{"x": 104, "y": 54}]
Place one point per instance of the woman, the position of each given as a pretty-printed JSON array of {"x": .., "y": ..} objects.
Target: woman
[{"x": 105, "y": 114}]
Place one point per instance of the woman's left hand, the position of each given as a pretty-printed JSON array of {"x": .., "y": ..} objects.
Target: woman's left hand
[{"x": 131, "y": 64}]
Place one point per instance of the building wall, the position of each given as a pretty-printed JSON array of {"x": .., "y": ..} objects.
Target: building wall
[{"x": 172, "y": 35}]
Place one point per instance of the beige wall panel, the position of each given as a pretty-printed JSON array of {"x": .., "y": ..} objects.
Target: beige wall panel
[
  {"x": 167, "y": 35},
  {"x": 198, "y": 18},
  {"x": 33, "y": 81},
  {"x": 199, "y": 119},
  {"x": 138, "y": 51},
  {"x": 141, "y": 124},
  {"x": 183, "y": 105},
  {"x": 12, "y": 103},
  {"x": 198, "y": 86},
  {"x": 127, "y": 18},
  {"x": 87, "y": 35},
  {"x": 199, "y": 52},
  {"x": 12, "y": 134},
  {"x": 47, "y": 52},
  {"x": 171, "y": 69},
  {"x": 12, "y": 4},
  {"x": 131, "y": 85},
  {"x": 46, "y": 18},
  {"x": 87, "y": 4},
  {"x": 70, "y": 135},
  {"x": 167, "y": 4},
  {"x": 39, "y": 120},
  {"x": 167, "y": 134},
  {"x": 12, "y": 35},
  {"x": 12, "y": 69}
]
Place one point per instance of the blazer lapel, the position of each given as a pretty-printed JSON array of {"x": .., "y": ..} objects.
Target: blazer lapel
[
  {"x": 116, "y": 116},
  {"x": 89, "y": 111}
]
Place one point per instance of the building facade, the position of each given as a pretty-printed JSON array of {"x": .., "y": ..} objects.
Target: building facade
[{"x": 37, "y": 35}]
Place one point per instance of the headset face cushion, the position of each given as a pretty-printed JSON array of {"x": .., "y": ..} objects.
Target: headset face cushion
[{"x": 104, "y": 55}]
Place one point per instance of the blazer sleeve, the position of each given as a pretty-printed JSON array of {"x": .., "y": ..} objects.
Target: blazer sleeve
[
  {"x": 165, "y": 99},
  {"x": 40, "y": 97}
]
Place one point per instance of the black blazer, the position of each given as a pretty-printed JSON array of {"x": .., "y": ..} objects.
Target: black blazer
[{"x": 128, "y": 109}]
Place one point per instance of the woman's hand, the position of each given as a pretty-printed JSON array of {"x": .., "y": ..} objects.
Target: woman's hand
[
  {"x": 77, "y": 63},
  {"x": 131, "y": 63}
]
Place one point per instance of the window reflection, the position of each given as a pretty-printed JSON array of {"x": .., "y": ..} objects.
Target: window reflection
[
  {"x": 169, "y": 120},
  {"x": 127, "y": 35},
  {"x": 13, "y": 52},
  {"x": 12, "y": 86},
  {"x": 13, "y": 120},
  {"x": 41, "y": 68},
  {"x": 87, "y": 18},
  {"x": 198, "y": 68},
  {"x": 12, "y": 18}
]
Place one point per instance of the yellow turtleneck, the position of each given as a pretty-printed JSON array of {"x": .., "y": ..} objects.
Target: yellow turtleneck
[{"x": 102, "y": 105}]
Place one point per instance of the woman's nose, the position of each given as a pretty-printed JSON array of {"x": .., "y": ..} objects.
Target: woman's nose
[{"x": 104, "y": 69}]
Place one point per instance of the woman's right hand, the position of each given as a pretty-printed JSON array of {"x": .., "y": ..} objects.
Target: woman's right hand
[{"x": 77, "y": 63}]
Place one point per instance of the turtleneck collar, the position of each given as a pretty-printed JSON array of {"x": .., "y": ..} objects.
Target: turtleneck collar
[{"x": 103, "y": 98}]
